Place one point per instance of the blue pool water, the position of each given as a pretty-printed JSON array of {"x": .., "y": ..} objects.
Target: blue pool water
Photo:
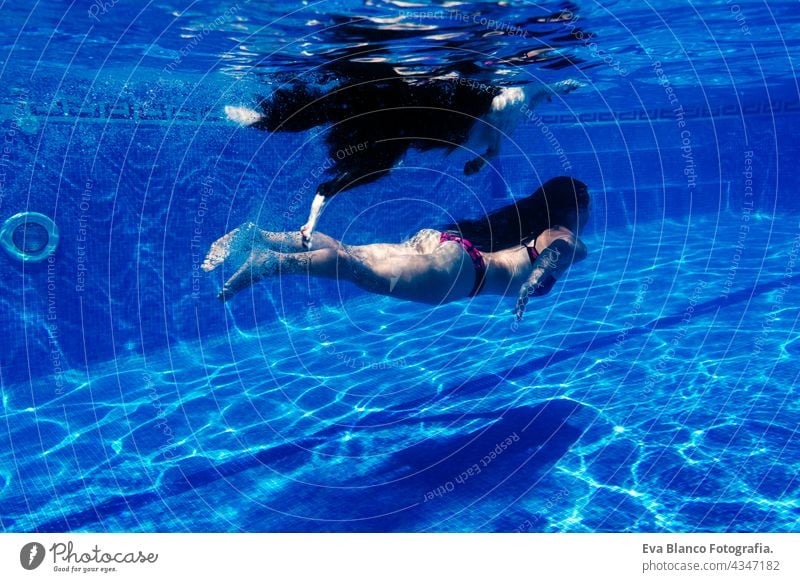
[{"x": 654, "y": 389}]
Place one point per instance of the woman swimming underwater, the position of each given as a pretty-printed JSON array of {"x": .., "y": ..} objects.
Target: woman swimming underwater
[{"x": 520, "y": 249}]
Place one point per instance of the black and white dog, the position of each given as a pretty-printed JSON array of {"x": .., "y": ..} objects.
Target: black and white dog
[{"x": 375, "y": 115}]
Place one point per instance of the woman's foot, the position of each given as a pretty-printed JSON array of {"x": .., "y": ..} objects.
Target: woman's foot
[
  {"x": 258, "y": 264},
  {"x": 236, "y": 241},
  {"x": 239, "y": 247}
]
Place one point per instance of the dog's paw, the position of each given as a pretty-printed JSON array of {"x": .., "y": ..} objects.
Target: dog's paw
[
  {"x": 307, "y": 234},
  {"x": 473, "y": 167}
]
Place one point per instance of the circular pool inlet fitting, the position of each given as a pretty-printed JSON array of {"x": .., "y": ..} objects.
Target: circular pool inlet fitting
[{"x": 29, "y": 237}]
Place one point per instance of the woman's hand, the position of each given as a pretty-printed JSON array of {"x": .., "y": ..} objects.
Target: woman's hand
[
  {"x": 522, "y": 300},
  {"x": 539, "y": 283},
  {"x": 554, "y": 260}
]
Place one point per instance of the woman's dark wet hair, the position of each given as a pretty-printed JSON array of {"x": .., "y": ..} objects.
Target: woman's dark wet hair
[{"x": 556, "y": 202}]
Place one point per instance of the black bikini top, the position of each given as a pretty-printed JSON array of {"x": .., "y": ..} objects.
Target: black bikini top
[
  {"x": 543, "y": 288},
  {"x": 533, "y": 254}
]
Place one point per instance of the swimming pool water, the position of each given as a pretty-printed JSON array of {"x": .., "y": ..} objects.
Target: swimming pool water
[
  {"x": 655, "y": 388},
  {"x": 632, "y": 406}
]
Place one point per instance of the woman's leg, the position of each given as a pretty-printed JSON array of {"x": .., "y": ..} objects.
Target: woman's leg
[
  {"x": 263, "y": 262},
  {"x": 248, "y": 236},
  {"x": 412, "y": 277},
  {"x": 327, "y": 263}
]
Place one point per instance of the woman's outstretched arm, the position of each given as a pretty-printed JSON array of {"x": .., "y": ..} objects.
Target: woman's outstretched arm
[{"x": 554, "y": 260}]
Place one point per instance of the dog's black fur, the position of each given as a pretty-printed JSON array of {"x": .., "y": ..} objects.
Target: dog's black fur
[{"x": 386, "y": 112}]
